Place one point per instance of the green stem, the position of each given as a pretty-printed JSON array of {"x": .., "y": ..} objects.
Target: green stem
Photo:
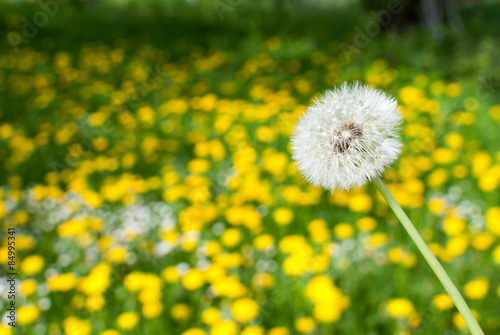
[{"x": 431, "y": 260}]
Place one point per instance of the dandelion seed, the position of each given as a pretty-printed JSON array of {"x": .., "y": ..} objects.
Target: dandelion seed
[{"x": 348, "y": 137}]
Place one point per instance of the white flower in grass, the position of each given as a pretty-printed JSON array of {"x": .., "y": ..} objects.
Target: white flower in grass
[{"x": 348, "y": 137}]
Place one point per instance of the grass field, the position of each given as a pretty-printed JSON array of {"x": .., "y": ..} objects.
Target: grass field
[{"x": 145, "y": 165}]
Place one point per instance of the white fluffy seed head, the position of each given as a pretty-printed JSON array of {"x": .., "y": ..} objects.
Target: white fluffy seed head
[{"x": 348, "y": 137}]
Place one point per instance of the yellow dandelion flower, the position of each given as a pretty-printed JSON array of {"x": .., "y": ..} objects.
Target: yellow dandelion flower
[
  {"x": 283, "y": 216},
  {"x": 180, "y": 311},
  {"x": 231, "y": 237},
  {"x": 62, "y": 282},
  {"x": 343, "y": 230},
  {"x": 304, "y": 325},
  {"x": 27, "y": 314},
  {"x": 194, "y": 331},
  {"x": 262, "y": 242},
  {"x": 224, "y": 328},
  {"x": 28, "y": 287},
  {"x": 278, "y": 331},
  {"x": 442, "y": 301},
  {"x": 477, "y": 289},
  {"x": 493, "y": 220},
  {"x": 459, "y": 321},
  {"x": 400, "y": 307},
  {"x": 253, "y": 330},
  {"x": 366, "y": 224},
  {"x": 110, "y": 332},
  {"x": 244, "y": 310},
  {"x": 210, "y": 316},
  {"x": 360, "y": 202},
  {"x": 127, "y": 320}
]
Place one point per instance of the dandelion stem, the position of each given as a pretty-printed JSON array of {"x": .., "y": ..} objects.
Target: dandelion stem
[{"x": 431, "y": 260}]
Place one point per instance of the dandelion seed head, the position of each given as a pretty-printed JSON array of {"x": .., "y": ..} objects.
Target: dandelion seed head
[{"x": 349, "y": 136}]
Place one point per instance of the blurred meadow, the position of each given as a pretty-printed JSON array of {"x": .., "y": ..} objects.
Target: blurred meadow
[{"x": 145, "y": 164}]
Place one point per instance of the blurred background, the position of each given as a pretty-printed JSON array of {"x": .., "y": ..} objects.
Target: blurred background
[{"x": 145, "y": 165}]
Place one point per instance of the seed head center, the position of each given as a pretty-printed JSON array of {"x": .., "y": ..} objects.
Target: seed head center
[{"x": 344, "y": 136}]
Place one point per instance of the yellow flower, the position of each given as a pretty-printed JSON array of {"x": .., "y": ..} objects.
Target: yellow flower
[
  {"x": 253, "y": 330},
  {"x": 127, "y": 320},
  {"x": 318, "y": 230},
  {"x": 28, "y": 287},
  {"x": 437, "y": 205},
  {"x": 117, "y": 254},
  {"x": 73, "y": 326},
  {"x": 304, "y": 324},
  {"x": 493, "y": 219},
  {"x": 213, "y": 248},
  {"x": 231, "y": 237},
  {"x": 378, "y": 239},
  {"x": 32, "y": 265},
  {"x": 278, "y": 331},
  {"x": 283, "y": 216},
  {"x": 293, "y": 244},
  {"x": 360, "y": 202},
  {"x": 244, "y": 310},
  {"x": 194, "y": 331},
  {"x": 210, "y": 316},
  {"x": 444, "y": 156},
  {"x": 480, "y": 163},
  {"x": 296, "y": 265},
  {"x": 324, "y": 312},
  {"x": 411, "y": 95},
  {"x": 477, "y": 289},
  {"x": 343, "y": 230},
  {"x": 193, "y": 279},
  {"x": 459, "y": 321},
  {"x": 224, "y": 328},
  {"x": 198, "y": 165},
  {"x": 97, "y": 281},
  {"x": 437, "y": 178},
  {"x": 483, "y": 241},
  {"x": 21, "y": 217},
  {"x": 110, "y": 332},
  {"x": 5, "y": 330},
  {"x": 62, "y": 282},
  {"x": 460, "y": 171},
  {"x": 496, "y": 255},
  {"x": 95, "y": 302},
  {"x": 457, "y": 245},
  {"x": 262, "y": 242},
  {"x": 265, "y": 280},
  {"x": 453, "y": 89},
  {"x": 329, "y": 301},
  {"x": 490, "y": 179},
  {"x": 27, "y": 314},
  {"x": 134, "y": 281},
  {"x": 73, "y": 227},
  {"x": 494, "y": 112},
  {"x": 6, "y": 130},
  {"x": 400, "y": 307},
  {"x": 265, "y": 134},
  {"x": 395, "y": 255},
  {"x": 366, "y": 224},
  {"x": 170, "y": 274},
  {"x": 453, "y": 225},
  {"x": 442, "y": 301},
  {"x": 274, "y": 162},
  {"x": 454, "y": 140},
  {"x": 180, "y": 311}
]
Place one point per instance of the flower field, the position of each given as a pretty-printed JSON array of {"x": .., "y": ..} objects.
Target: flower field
[{"x": 150, "y": 181}]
